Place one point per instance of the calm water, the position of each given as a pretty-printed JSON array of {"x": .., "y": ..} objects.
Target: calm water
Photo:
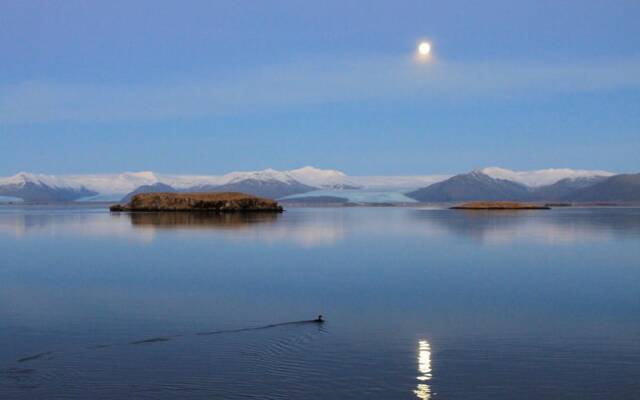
[{"x": 420, "y": 303}]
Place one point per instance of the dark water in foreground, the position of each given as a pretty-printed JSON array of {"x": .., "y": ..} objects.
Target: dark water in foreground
[{"x": 421, "y": 304}]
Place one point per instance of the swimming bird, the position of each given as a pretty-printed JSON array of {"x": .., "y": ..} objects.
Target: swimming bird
[{"x": 318, "y": 320}]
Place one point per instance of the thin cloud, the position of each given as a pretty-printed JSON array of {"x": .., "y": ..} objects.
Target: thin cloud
[{"x": 307, "y": 83}]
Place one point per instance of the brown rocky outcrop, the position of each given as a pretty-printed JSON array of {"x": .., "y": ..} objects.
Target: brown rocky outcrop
[{"x": 212, "y": 202}]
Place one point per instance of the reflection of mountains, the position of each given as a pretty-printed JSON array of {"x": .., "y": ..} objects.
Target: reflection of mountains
[
  {"x": 20, "y": 224},
  {"x": 199, "y": 220},
  {"x": 567, "y": 225},
  {"x": 61, "y": 222}
]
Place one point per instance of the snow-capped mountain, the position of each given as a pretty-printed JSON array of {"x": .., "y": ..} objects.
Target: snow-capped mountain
[
  {"x": 474, "y": 185},
  {"x": 115, "y": 186},
  {"x": 623, "y": 187},
  {"x": 109, "y": 184},
  {"x": 485, "y": 183},
  {"x": 564, "y": 188},
  {"x": 23, "y": 178},
  {"x": 308, "y": 175},
  {"x": 323, "y": 178},
  {"x": 541, "y": 177},
  {"x": 266, "y": 183},
  {"x": 267, "y": 175},
  {"x": 502, "y": 184},
  {"x": 42, "y": 188}
]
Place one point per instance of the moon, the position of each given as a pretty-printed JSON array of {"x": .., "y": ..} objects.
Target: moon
[{"x": 424, "y": 48}]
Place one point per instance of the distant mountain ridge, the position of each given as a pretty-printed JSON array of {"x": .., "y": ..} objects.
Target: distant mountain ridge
[
  {"x": 578, "y": 187},
  {"x": 472, "y": 186},
  {"x": 272, "y": 188},
  {"x": 541, "y": 177},
  {"x": 324, "y": 178},
  {"x": 41, "y": 188},
  {"x": 564, "y": 189},
  {"x": 492, "y": 183},
  {"x": 623, "y": 187}
]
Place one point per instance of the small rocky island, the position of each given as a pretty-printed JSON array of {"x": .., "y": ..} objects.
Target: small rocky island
[
  {"x": 499, "y": 205},
  {"x": 211, "y": 202}
]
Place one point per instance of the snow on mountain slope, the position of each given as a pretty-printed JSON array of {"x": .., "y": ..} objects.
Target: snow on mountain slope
[
  {"x": 322, "y": 178},
  {"x": 118, "y": 185},
  {"x": 114, "y": 183},
  {"x": 193, "y": 181},
  {"x": 22, "y": 178},
  {"x": 42, "y": 188},
  {"x": 265, "y": 175},
  {"x": 183, "y": 182},
  {"x": 541, "y": 177},
  {"x": 104, "y": 184},
  {"x": 474, "y": 185},
  {"x": 123, "y": 183}
]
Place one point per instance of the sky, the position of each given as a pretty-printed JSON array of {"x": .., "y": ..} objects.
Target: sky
[{"x": 207, "y": 87}]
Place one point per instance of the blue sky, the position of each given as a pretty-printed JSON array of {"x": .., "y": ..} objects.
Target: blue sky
[{"x": 213, "y": 86}]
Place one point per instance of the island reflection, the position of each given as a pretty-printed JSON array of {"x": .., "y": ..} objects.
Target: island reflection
[
  {"x": 306, "y": 229},
  {"x": 200, "y": 220}
]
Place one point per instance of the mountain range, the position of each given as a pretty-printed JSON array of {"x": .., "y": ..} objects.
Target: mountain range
[
  {"x": 492, "y": 183},
  {"x": 486, "y": 184}
]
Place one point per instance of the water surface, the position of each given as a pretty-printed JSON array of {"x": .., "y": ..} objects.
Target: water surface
[{"x": 420, "y": 303}]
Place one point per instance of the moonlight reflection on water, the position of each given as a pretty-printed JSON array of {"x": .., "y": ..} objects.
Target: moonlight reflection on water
[{"x": 423, "y": 391}]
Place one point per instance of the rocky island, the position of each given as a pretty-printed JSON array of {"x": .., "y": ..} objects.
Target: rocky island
[
  {"x": 499, "y": 205},
  {"x": 211, "y": 202}
]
